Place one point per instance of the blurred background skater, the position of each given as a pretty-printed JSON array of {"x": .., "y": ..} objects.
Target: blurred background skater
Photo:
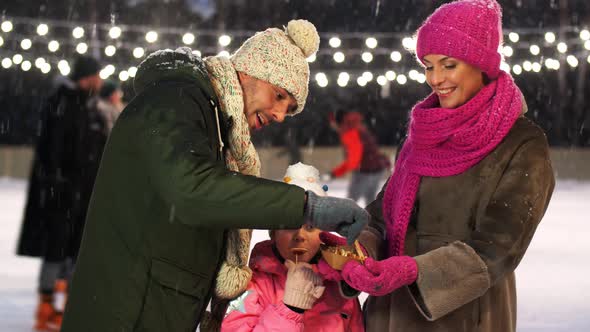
[
  {"x": 362, "y": 156},
  {"x": 66, "y": 160},
  {"x": 110, "y": 103}
]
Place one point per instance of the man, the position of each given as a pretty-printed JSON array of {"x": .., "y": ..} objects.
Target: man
[
  {"x": 66, "y": 161},
  {"x": 174, "y": 186}
]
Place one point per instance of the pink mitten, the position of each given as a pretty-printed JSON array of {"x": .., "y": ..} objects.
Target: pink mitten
[{"x": 379, "y": 278}]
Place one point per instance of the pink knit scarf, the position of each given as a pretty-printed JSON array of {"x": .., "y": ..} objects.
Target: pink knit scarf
[{"x": 445, "y": 142}]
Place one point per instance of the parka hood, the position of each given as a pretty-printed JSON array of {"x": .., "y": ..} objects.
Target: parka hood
[{"x": 168, "y": 65}]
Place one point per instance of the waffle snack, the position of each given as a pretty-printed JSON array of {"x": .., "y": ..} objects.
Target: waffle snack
[{"x": 337, "y": 256}]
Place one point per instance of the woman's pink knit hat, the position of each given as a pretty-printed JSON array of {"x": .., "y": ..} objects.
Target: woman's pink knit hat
[{"x": 469, "y": 30}]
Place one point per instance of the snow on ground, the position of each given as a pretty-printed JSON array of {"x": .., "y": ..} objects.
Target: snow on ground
[{"x": 553, "y": 279}]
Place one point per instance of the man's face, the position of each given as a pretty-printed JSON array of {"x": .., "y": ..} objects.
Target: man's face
[{"x": 264, "y": 103}]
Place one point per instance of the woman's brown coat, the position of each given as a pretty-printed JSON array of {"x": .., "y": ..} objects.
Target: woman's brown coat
[{"x": 467, "y": 233}]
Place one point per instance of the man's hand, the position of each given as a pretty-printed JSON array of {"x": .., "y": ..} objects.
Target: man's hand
[{"x": 341, "y": 215}]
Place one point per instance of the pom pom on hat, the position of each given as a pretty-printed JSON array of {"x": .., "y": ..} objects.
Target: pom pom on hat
[
  {"x": 304, "y": 176},
  {"x": 305, "y": 35},
  {"x": 469, "y": 30},
  {"x": 279, "y": 57}
]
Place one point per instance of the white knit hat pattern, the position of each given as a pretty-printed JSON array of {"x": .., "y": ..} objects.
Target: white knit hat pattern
[{"x": 279, "y": 57}]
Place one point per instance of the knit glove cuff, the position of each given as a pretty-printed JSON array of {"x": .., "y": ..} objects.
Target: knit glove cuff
[{"x": 303, "y": 286}]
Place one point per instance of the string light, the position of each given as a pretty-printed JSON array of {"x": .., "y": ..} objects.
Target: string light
[
  {"x": 132, "y": 71},
  {"x": 17, "y": 59},
  {"x": 562, "y": 47},
  {"x": 552, "y": 64},
  {"x": 6, "y": 63},
  {"x": 115, "y": 32},
  {"x": 335, "y": 42},
  {"x": 536, "y": 67},
  {"x": 371, "y": 42},
  {"x": 321, "y": 79},
  {"x": 110, "y": 50},
  {"x": 42, "y": 29},
  {"x": 396, "y": 56},
  {"x": 123, "y": 76},
  {"x": 197, "y": 53},
  {"x": 45, "y": 68},
  {"x": 381, "y": 80},
  {"x": 517, "y": 69},
  {"x": 390, "y": 75},
  {"x": 343, "y": 79},
  {"x": 78, "y": 32},
  {"x": 514, "y": 37},
  {"x": 368, "y": 76},
  {"x": 367, "y": 57},
  {"x": 507, "y": 51},
  {"x": 64, "y": 67},
  {"x": 421, "y": 78},
  {"x": 409, "y": 43},
  {"x": 550, "y": 37},
  {"x": 81, "y": 48},
  {"x": 39, "y": 62},
  {"x": 585, "y": 35},
  {"x": 527, "y": 65},
  {"x": 6, "y": 26},
  {"x": 339, "y": 57},
  {"x": 534, "y": 49},
  {"x": 401, "y": 79},
  {"x": 361, "y": 81},
  {"x": 505, "y": 67},
  {"x": 572, "y": 61},
  {"x": 26, "y": 43},
  {"x": 26, "y": 65},
  {"x": 138, "y": 52},
  {"x": 224, "y": 54},
  {"x": 1, "y": 41},
  {"x": 151, "y": 37},
  {"x": 311, "y": 58},
  {"x": 53, "y": 46},
  {"x": 224, "y": 40},
  {"x": 188, "y": 38}
]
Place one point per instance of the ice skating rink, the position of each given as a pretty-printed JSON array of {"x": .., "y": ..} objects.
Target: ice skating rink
[{"x": 553, "y": 279}]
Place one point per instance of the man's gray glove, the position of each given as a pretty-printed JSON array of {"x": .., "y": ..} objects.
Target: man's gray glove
[{"x": 341, "y": 215}]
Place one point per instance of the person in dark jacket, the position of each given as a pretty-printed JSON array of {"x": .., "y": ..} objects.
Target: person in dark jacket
[
  {"x": 362, "y": 156},
  {"x": 178, "y": 192},
  {"x": 67, "y": 156}
]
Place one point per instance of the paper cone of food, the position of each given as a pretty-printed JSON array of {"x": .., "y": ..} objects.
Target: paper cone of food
[{"x": 337, "y": 256}]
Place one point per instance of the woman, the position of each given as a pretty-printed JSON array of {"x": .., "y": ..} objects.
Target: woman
[{"x": 471, "y": 183}]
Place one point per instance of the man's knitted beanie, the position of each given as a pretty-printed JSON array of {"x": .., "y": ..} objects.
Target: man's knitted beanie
[
  {"x": 279, "y": 57},
  {"x": 469, "y": 30}
]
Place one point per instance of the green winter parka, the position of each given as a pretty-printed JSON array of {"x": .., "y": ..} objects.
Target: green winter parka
[{"x": 162, "y": 202}]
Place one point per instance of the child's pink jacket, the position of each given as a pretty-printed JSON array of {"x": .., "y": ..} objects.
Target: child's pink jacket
[{"x": 261, "y": 307}]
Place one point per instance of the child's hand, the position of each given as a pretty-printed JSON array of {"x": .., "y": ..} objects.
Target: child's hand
[{"x": 303, "y": 286}]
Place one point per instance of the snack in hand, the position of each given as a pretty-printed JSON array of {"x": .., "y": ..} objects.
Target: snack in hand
[{"x": 337, "y": 256}]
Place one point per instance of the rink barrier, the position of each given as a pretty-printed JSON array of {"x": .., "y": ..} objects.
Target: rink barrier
[{"x": 568, "y": 163}]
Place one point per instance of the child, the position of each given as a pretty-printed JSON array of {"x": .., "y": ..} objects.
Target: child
[{"x": 286, "y": 291}]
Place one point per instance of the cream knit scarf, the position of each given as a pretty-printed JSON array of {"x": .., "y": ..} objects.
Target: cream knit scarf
[{"x": 241, "y": 156}]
